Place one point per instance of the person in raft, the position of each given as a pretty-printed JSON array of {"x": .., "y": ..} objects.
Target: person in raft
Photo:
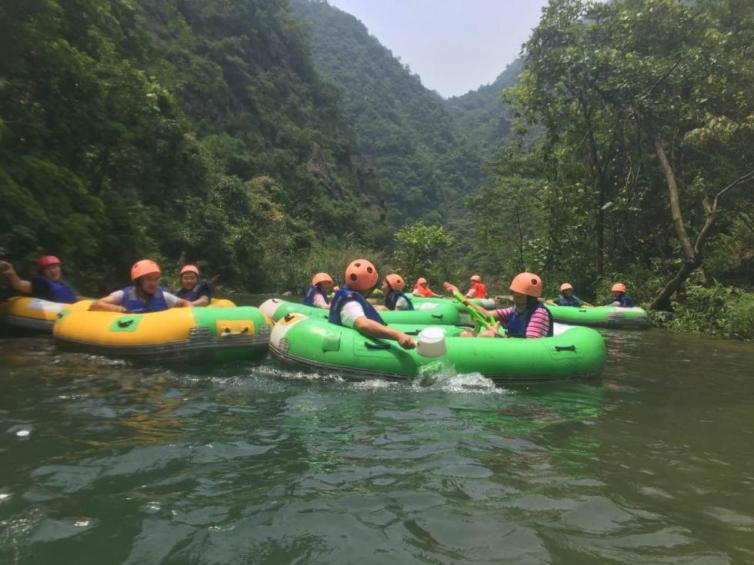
[
  {"x": 392, "y": 290},
  {"x": 144, "y": 295},
  {"x": 318, "y": 292},
  {"x": 527, "y": 318},
  {"x": 350, "y": 308},
  {"x": 619, "y": 297},
  {"x": 567, "y": 298},
  {"x": 478, "y": 289},
  {"x": 421, "y": 288},
  {"x": 194, "y": 290},
  {"x": 47, "y": 284}
]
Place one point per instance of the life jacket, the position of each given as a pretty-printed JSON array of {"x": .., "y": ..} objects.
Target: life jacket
[
  {"x": 480, "y": 290},
  {"x": 565, "y": 301},
  {"x": 315, "y": 289},
  {"x": 422, "y": 291},
  {"x": 200, "y": 289},
  {"x": 392, "y": 299},
  {"x": 132, "y": 302},
  {"x": 622, "y": 301},
  {"x": 55, "y": 291},
  {"x": 345, "y": 295},
  {"x": 518, "y": 323}
]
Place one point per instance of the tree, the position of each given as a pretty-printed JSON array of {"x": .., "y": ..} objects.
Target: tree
[{"x": 421, "y": 250}]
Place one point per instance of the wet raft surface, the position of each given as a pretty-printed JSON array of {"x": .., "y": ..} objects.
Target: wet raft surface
[{"x": 107, "y": 462}]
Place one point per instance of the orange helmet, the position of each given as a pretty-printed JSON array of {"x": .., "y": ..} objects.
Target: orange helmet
[
  {"x": 396, "y": 282},
  {"x": 476, "y": 278},
  {"x": 528, "y": 284},
  {"x": 144, "y": 267},
  {"x": 565, "y": 286},
  {"x": 190, "y": 269},
  {"x": 322, "y": 278},
  {"x": 47, "y": 260},
  {"x": 361, "y": 275},
  {"x": 421, "y": 281},
  {"x": 618, "y": 287}
]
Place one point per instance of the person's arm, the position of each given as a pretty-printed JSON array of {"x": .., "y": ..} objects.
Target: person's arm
[
  {"x": 14, "y": 280},
  {"x": 203, "y": 300},
  {"x": 110, "y": 303},
  {"x": 539, "y": 325},
  {"x": 173, "y": 301},
  {"x": 371, "y": 328}
]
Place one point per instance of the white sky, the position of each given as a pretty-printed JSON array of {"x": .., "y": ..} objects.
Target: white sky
[{"x": 453, "y": 45}]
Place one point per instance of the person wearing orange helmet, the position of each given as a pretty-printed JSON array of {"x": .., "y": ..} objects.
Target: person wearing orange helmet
[
  {"x": 350, "y": 308},
  {"x": 392, "y": 290},
  {"x": 527, "y": 318},
  {"x": 620, "y": 298},
  {"x": 196, "y": 291},
  {"x": 421, "y": 288},
  {"x": 567, "y": 298},
  {"x": 47, "y": 284},
  {"x": 478, "y": 288},
  {"x": 318, "y": 292},
  {"x": 143, "y": 296}
]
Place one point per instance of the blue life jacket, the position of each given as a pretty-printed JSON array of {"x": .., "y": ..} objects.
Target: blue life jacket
[
  {"x": 565, "y": 301},
  {"x": 315, "y": 289},
  {"x": 518, "y": 323},
  {"x": 392, "y": 299},
  {"x": 200, "y": 289},
  {"x": 132, "y": 302},
  {"x": 622, "y": 301},
  {"x": 345, "y": 295},
  {"x": 56, "y": 291}
]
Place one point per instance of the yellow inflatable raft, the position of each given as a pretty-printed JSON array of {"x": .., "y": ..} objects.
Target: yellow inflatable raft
[
  {"x": 178, "y": 334},
  {"x": 35, "y": 314}
]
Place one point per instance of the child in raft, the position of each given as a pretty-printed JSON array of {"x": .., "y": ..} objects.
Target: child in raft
[
  {"x": 350, "y": 308},
  {"x": 196, "y": 291},
  {"x": 47, "y": 284},
  {"x": 392, "y": 290},
  {"x": 317, "y": 294},
  {"x": 567, "y": 298},
  {"x": 478, "y": 288},
  {"x": 421, "y": 288},
  {"x": 619, "y": 297},
  {"x": 527, "y": 318},
  {"x": 144, "y": 295}
]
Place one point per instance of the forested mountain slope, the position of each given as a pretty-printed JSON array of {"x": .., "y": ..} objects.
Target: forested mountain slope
[
  {"x": 172, "y": 129},
  {"x": 482, "y": 116},
  {"x": 426, "y": 167}
]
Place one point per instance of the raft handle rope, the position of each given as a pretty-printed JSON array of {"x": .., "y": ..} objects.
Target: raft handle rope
[{"x": 565, "y": 348}]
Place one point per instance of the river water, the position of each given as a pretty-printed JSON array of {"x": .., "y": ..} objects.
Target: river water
[{"x": 108, "y": 462}]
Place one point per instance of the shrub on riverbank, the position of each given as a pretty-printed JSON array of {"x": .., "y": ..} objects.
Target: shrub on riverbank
[{"x": 716, "y": 310}]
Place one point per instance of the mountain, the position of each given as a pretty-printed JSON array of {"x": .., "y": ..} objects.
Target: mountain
[
  {"x": 425, "y": 165},
  {"x": 482, "y": 115}
]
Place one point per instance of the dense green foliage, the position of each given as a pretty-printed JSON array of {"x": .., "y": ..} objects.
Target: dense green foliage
[
  {"x": 482, "y": 116},
  {"x": 176, "y": 129},
  {"x": 715, "y": 310},
  {"x": 422, "y": 251},
  {"x": 643, "y": 112},
  {"x": 425, "y": 166}
]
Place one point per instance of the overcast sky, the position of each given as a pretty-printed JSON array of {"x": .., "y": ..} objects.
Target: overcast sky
[{"x": 453, "y": 45}]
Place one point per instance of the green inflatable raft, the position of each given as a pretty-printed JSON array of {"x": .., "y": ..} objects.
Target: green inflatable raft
[
  {"x": 601, "y": 316},
  {"x": 435, "y": 313},
  {"x": 488, "y": 303},
  {"x": 314, "y": 343}
]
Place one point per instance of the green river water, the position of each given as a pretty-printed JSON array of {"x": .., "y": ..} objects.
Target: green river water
[{"x": 108, "y": 462}]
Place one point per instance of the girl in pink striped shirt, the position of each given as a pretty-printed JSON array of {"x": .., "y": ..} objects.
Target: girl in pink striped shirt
[{"x": 528, "y": 318}]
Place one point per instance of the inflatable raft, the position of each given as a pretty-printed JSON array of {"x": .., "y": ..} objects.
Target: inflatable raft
[
  {"x": 488, "y": 303},
  {"x": 424, "y": 314},
  {"x": 178, "y": 334},
  {"x": 34, "y": 314},
  {"x": 601, "y": 316},
  {"x": 316, "y": 344}
]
